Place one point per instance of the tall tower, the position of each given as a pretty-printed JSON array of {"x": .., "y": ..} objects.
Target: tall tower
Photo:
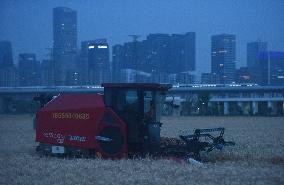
[
  {"x": 158, "y": 54},
  {"x": 253, "y": 51},
  {"x": 29, "y": 74},
  {"x": 223, "y": 57},
  {"x": 257, "y": 62},
  {"x": 83, "y": 69},
  {"x": 98, "y": 62},
  {"x": 64, "y": 45},
  {"x": 183, "y": 52},
  {"x": 117, "y": 62},
  {"x": 6, "y": 58},
  {"x": 270, "y": 70},
  {"x": 190, "y": 50},
  {"x": 7, "y": 69}
]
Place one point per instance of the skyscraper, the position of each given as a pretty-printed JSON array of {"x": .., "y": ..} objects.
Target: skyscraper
[
  {"x": 7, "y": 69},
  {"x": 183, "y": 52},
  {"x": 253, "y": 50},
  {"x": 64, "y": 45},
  {"x": 98, "y": 62},
  {"x": 117, "y": 62},
  {"x": 83, "y": 69},
  {"x": 29, "y": 70},
  {"x": 6, "y": 58},
  {"x": 276, "y": 67},
  {"x": 257, "y": 62},
  {"x": 223, "y": 57},
  {"x": 158, "y": 56},
  {"x": 46, "y": 72},
  {"x": 271, "y": 68}
]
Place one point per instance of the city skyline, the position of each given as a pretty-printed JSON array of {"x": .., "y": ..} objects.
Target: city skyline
[{"x": 91, "y": 26}]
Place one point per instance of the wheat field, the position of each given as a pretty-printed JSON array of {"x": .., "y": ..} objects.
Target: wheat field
[{"x": 257, "y": 158}]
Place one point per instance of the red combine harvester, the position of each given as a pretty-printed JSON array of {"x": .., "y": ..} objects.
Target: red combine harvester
[{"x": 123, "y": 122}]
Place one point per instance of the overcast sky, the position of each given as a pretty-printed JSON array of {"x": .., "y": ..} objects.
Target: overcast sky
[{"x": 28, "y": 23}]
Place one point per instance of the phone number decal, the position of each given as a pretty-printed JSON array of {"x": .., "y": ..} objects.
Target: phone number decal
[{"x": 66, "y": 115}]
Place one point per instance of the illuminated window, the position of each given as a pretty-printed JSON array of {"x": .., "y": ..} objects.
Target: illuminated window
[
  {"x": 91, "y": 47},
  {"x": 102, "y": 47}
]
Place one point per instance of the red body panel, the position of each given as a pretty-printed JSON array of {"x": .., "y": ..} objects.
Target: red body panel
[{"x": 75, "y": 120}]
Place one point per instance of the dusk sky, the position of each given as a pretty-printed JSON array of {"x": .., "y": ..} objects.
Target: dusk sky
[{"x": 28, "y": 23}]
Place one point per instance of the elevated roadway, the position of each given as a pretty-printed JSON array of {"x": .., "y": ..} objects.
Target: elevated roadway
[{"x": 247, "y": 96}]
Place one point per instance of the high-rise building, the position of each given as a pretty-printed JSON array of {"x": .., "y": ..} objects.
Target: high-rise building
[
  {"x": 6, "y": 57},
  {"x": 64, "y": 45},
  {"x": 46, "y": 73},
  {"x": 83, "y": 69},
  {"x": 98, "y": 62},
  {"x": 117, "y": 62},
  {"x": 132, "y": 60},
  {"x": 271, "y": 68},
  {"x": 127, "y": 60},
  {"x": 7, "y": 69},
  {"x": 29, "y": 70},
  {"x": 256, "y": 61},
  {"x": 223, "y": 57},
  {"x": 182, "y": 52},
  {"x": 158, "y": 56},
  {"x": 182, "y": 57},
  {"x": 253, "y": 50},
  {"x": 8, "y": 77},
  {"x": 276, "y": 62},
  {"x": 169, "y": 55}
]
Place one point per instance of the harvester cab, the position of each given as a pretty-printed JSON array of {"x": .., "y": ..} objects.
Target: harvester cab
[{"x": 140, "y": 107}]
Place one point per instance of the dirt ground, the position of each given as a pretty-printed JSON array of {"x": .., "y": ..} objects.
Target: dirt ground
[{"x": 257, "y": 158}]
